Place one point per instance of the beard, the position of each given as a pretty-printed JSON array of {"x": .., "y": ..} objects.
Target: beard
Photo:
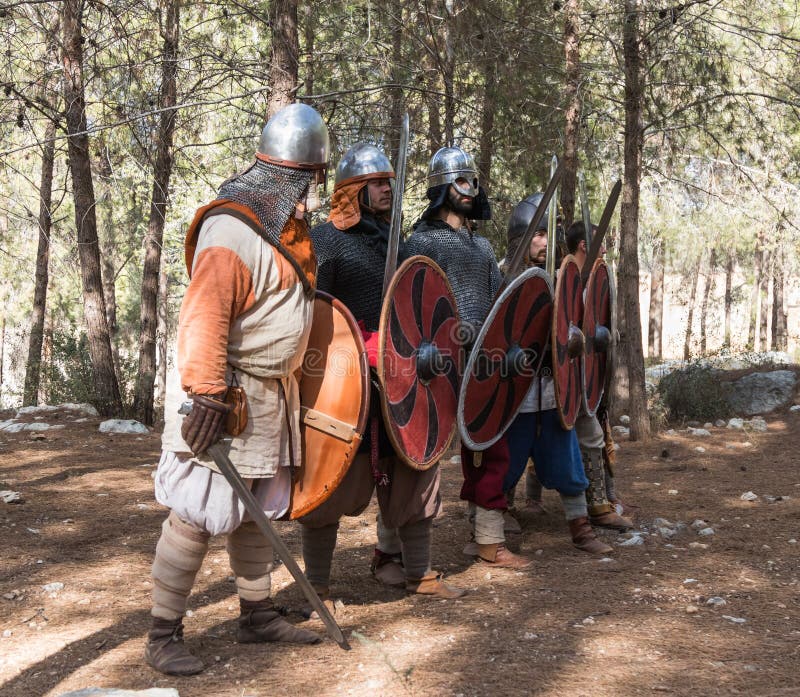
[{"x": 455, "y": 203}]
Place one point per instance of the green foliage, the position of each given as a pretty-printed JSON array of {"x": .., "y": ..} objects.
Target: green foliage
[
  {"x": 695, "y": 392},
  {"x": 67, "y": 371}
]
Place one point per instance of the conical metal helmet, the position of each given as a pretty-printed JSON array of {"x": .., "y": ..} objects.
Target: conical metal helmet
[
  {"x": 295, "y": 137},
  {"x": 361, "y": 162},
  {"x": 452, "y": 163},
  {"x": 522, "y": 215}
]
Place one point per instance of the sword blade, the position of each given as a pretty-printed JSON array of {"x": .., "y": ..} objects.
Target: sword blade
[
  {"x": 397, "y": 207},
  {"x": 263, "y": 523},
  {"x": 597, "y": 240},
  {"x": 518, "y": 260}
]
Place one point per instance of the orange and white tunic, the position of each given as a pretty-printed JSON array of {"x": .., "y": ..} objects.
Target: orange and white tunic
[{"x": 245, "y": 310}]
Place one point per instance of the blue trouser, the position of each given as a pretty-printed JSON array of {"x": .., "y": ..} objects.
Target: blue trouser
[{"x": 555, "y": 453}]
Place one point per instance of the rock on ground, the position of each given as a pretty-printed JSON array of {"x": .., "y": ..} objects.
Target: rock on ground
[
  {"x": 122, "y": 426},
  {"x": 761, "y": 393},
  {"x": 85, "y": 409}
]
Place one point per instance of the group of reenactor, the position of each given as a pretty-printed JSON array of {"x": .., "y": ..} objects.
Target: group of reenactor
[{"x": 438, "y": 340}]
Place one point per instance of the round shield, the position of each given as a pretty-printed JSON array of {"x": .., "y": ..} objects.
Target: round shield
[
  {"x": 505, "y": 359},
  {"x": 419, "y": 362},
  {"x": 568, "y": 341},
  {"x": 598, "y": 329},
  {"x": 334, "y": 403}
]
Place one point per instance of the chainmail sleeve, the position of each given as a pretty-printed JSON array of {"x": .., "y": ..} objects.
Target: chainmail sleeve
[{"x": 326, "y": 239}]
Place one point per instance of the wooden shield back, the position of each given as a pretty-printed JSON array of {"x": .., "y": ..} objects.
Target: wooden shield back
[
  {"x": 334, "y": 399},
  {"x": 567, "y": 312}
]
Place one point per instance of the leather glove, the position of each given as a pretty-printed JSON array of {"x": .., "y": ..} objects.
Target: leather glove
[{"x": 205, "y": 423}]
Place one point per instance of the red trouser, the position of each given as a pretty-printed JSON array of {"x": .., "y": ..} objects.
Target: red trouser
[{"x": 483, "y": 485}]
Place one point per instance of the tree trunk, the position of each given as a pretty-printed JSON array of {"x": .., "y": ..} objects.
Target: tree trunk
[
  {"x": 34, "y": 365},
  {"x": 656, "y": 309},
  {"x": 687, "y": 342},
  {"x": 486, "y": 145},
  {"x": 755, "y": 297},
  {"x": 162, "y": 338},
  {"x": 106, "y": 388},
  {"x": 143, "y": 404},
  {"x": 712, "y": 263},
  {"x": 284, "y": 59},
  {"x": 779, "y": 316},
  {"x": 729, "y": 269},
  {"x": 108, "y": 248},
  {"x": 572, "y": 110},
  {"x": 629, "y": 225},
  {"x": 309, "y": 32},
  {"x": 763, "y": 303}
]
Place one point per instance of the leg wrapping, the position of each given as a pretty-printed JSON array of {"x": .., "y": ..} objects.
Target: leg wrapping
[
  {"x": 318, "y": 546},
  {"x": 596, "y": 474},
  {"x": 489, "y": 526},
  {"x": 388, "y": 538},
  {"x": 250, "y": 555},
  {"x": 179, "y": 555},
  {"x": 574, "y": 506},
  {"x": 416, "y": 546}
]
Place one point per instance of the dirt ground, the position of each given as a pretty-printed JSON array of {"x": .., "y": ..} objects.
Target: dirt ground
[{"x": 637, "y": 624}]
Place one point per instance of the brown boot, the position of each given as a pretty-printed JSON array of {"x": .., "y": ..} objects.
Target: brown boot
[
  {"x": 500, "y": 556},
  {"x": 388, "y": 569},
  {"x": 259, "y": 622},
  {"x": 611, "y": 520},
  {"x": 584, "y": 537},
  {"x": 165, "y": 650},
  {"x": 432, "y": 584}
]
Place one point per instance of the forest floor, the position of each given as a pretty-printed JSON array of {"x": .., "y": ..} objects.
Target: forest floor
[{"x": 637, "y": 624}]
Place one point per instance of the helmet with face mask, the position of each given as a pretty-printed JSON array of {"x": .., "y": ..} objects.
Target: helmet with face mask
[{"x": 450, "y": 164}]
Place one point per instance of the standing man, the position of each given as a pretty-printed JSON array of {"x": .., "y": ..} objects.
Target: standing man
[
  {"x": 591, "y": 434},
  {"x": 351, "y": 248},
  {"x": 444, "y": 234},
  {"x": 244, "y": 322},
  {"x": 536, "y": 432}
]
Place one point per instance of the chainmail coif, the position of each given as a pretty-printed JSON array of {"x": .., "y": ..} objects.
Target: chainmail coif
[{"x": 270, "y": 191}]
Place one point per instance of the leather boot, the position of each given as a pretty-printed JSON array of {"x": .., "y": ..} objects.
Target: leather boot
[
  {"x": 388, "y": 569},
  {"x": 500, "y": 556},
  {"x": 584, "y": 537},
  {"x": 260, "y": 622},
  {"x": 432, "y": 584},
  {"x": 611, "y": 520},
  {"x": 165, "y": 650}
]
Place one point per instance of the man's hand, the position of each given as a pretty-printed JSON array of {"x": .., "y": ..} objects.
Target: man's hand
[{"x": 204, "y": 425}]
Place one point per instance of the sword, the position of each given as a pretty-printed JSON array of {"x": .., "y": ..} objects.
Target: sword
[
  {"x": 597, "y": 240},
  {"x": 261, "y": 520},
  {"x": 587, "y": 223},
  {"x": 552, "y": 223},
  {"x": 397, "y": 207},
  {"x": 517, "y": 261}
]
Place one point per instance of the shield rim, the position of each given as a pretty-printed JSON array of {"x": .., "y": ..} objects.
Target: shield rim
[
  {"x": 360, "y": 426},
  {"x": 569, "y": 259},
  {"x": 612, "y": 330},
  {"x": 382, "y": 329},
  {"x": 506, "y": 292}
]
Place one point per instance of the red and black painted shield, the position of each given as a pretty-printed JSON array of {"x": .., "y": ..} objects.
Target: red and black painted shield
[
  {"x": 567, "y": 341},
  {"x": 419, "y": 354},
  {"x": 505, "y": 359},
  {"x": 598, "y": 329}
]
